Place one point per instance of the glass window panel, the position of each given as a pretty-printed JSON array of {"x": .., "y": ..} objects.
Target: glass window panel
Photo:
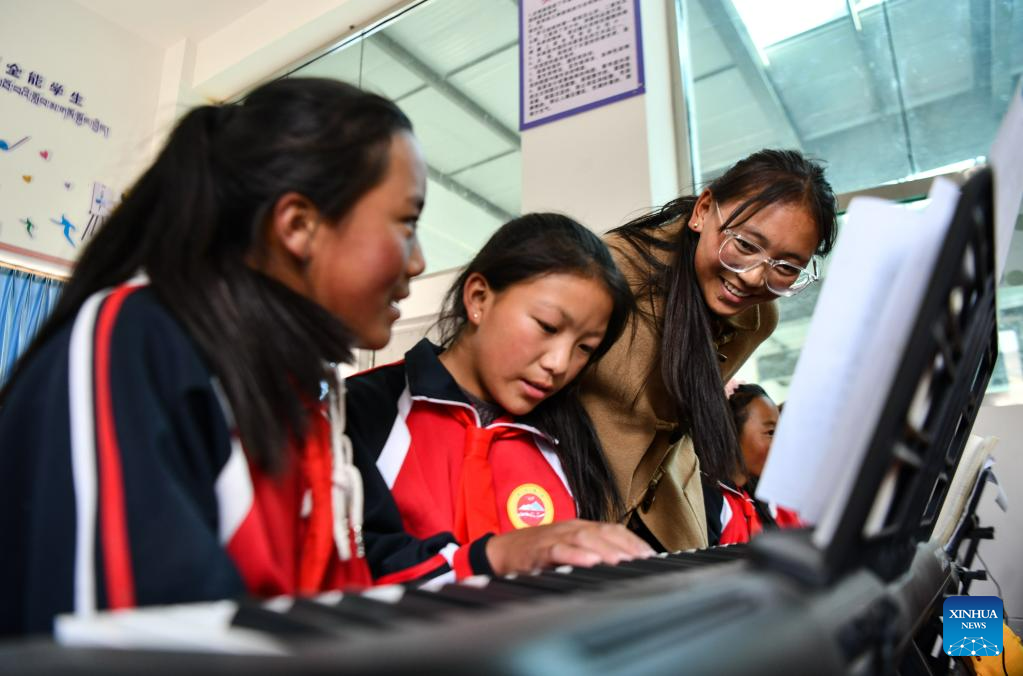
[
  {"x": 452, "y": 66},
  {"x": 881, "y": 90}
]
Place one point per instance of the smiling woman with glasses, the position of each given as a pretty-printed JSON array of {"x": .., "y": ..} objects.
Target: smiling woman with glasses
[
  {"x": 704, "y": 270},
  {"x": 782, "y": 278}
]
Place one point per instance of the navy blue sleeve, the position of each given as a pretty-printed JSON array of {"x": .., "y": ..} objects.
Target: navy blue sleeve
[{"x": 158, "y": 441}]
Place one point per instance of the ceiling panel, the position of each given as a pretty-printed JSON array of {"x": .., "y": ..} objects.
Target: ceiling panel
[
  {"x": 707, "y": 53},
  {"x": 465, "y": 81},
  {"x": 933, "y": 49},
  {"x": 380, "y": 73},
  {"x": 452, "y": 230},
  {"x": 487, "y": 83},
  {"x": 500, "y": 180},
  {"x": 1014, "y": 41},
  {"x": 452, "y": 138},
  {"x": 826, "y": 80},
  {"x": 447, "y": 35},
  {"x": 731, "y": 123}
]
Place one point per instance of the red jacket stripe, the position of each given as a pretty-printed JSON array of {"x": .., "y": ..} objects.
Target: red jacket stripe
[{"x": 113, "y": 519}]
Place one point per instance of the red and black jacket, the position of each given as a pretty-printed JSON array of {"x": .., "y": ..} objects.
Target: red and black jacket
[
  {"x": 121, "y": 482},
  {"x": 735, "y": 516},
  {"x": 414, "y": 433}
]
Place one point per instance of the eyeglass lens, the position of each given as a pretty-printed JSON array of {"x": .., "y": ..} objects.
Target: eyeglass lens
[{"x": 739, "y": 255}]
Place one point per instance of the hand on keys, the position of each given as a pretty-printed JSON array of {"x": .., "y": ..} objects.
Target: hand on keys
[{"x": 574, "y": 543}]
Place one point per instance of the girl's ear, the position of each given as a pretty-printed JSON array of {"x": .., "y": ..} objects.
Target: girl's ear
[
  {"x": 701, "y": 209},
  {"x": 477, "y": 297},
  {"x": 293, "y": 223}
]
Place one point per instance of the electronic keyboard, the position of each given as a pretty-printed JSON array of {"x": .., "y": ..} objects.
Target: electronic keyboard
[{"x": 710, "y": 611}]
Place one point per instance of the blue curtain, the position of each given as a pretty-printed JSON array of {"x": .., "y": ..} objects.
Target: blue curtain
[{"x": 25, "y": 302}]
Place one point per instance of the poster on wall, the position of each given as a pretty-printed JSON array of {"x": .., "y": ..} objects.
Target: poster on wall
[
  {"x": 575, "y": 55},
  {"x": 54, "y": 143}
]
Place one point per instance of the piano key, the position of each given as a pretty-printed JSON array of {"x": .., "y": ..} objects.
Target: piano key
[
  {"x": 655, "y": 565},
  {"x": 523, "y": 587},
  {"x": 252, "y": 614},
  {"x": 385, "y": 613},
  {"x": 613, "y": 572},
  {"x": 702, "y": 557},
  {"x": 482, "y": 596},
  {"x": 419, "y": 600},
  {"x": 343, "y": 617},
  {"x": 599, "y": 576},
  {"x": 537, "y": 582},
  {"x": 571, "y": 580}
]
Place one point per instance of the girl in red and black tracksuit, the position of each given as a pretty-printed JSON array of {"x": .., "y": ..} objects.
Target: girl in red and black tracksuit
[
  {"x": 733, "y": 514},
  {"x": 164, "y": 438},
  {"x": 482, "y": 442}
]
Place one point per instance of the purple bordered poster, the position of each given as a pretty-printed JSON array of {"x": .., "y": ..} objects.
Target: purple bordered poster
[{"x": 575, "y": 55}]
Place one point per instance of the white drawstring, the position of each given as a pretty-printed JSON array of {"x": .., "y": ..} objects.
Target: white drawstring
[{"x": 346, "y": 482}]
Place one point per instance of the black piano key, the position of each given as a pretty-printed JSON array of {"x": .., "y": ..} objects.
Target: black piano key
[
  {"x": 615, "y": 572},
  {"x": 729, "y": 553},
  {"x": 538, "y": 583},
  {"x": 252, "y": 615},
  {"x": 734, "y": 551},
  {"x": 310, "y": 612},
  {"x": 420, "y": 600},
  {"x": 343, "y": 617},
  {"x": 600, "y": 575},
  {"x": 525, "y": 586},
  {"x": 382, "y": 613},
  {"x": 654, "y": 565},
  {"x": 703, "y": 557},
  {"x": 573, "y": 580},
  {"x": 484, "y": 596}
]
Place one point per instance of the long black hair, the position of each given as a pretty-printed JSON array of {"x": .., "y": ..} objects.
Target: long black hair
[
  {"x": 740, "y": 400},
  {"x": 688, "y": 360},
  {"x": 199, "y": 213},
  {"x": 524, "y": 249}
]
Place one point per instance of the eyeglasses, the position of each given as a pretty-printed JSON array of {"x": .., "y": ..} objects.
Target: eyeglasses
[{"x": 782, "y": 278}]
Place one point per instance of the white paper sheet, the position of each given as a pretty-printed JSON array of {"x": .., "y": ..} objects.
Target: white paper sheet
[
  {"x": 1007, "y": 161},
  {"x": 878, "y": 276}
]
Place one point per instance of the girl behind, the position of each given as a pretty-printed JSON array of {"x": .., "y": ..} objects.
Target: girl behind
[
  {"x": 163, "y": 432},
  {"x": 733, "y": 514},
  {"x": 486, "y": 434}
]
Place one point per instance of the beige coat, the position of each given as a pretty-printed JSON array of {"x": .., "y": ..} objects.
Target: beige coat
[{"x": 635, "y": 419}]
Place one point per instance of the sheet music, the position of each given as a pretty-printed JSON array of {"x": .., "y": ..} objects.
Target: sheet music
[
  {"x": 1007, "y": 161},
  {"x": 878, "y": 276}
]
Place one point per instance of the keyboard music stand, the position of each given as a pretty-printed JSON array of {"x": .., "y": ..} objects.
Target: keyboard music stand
[{"x": 929, "y": 412}]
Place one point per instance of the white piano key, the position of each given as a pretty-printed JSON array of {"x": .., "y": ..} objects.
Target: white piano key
[{"x": 201, "y": 627}]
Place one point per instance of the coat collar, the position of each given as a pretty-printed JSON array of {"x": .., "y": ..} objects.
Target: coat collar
[{"x": 427, "y": 376}]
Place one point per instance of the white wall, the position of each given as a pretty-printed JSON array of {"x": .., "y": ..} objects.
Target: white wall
[
  {"x": 261, "y": 44},
  {"x": 118, "y": 74}
]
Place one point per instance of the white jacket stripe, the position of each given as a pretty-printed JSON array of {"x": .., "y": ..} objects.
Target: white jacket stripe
[
  {"x": 392, "y": 456},
  {"x": 83, "y": 451}
]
